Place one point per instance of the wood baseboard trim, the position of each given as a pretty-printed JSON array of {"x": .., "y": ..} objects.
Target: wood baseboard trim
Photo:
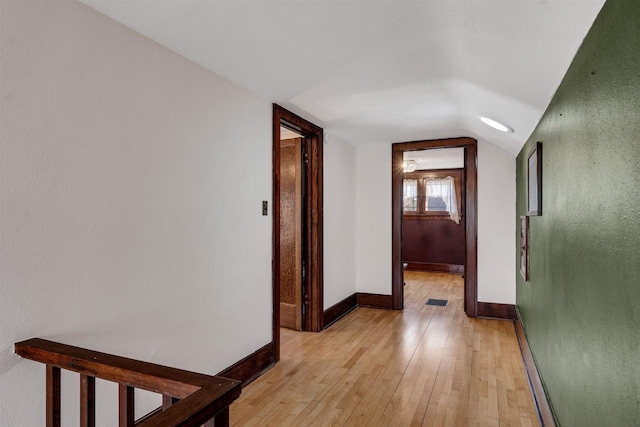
[
  {"x": 540, "y": 399},
  {"x": 496, "y": 311},
  {"x": 374, "y": 300},
  {"x": 338, "y": 310},
  {"x": 245, "y": 370},
  {"x": 434, "y": 266},
  {"x": 252, "y": 366}
]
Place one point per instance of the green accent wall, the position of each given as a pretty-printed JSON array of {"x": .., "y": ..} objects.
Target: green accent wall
[{"x": 581, "y": 306}]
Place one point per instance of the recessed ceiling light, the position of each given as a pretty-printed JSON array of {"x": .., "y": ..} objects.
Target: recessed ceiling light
[{"x": 496, "y": 125}]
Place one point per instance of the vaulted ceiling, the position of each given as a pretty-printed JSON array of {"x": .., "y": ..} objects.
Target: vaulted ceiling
[{"x": 381, "y": 71}]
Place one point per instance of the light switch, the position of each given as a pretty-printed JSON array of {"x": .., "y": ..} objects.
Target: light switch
[{"x": 265, "y": 208}]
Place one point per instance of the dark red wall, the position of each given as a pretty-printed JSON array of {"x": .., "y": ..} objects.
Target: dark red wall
[{"x": 433, "y": 241}]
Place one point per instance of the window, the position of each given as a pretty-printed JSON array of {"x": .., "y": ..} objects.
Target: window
[
  {"x": 410, "y": 195},
  {"x": 441, "y": 194},
  {"x": 433, "y": 194}
]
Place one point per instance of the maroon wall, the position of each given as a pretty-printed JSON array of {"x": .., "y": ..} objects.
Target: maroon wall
[{"x": 433, "y": 241}]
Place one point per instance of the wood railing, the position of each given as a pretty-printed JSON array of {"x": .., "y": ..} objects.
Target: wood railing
[{"x": 189, "y": 399}]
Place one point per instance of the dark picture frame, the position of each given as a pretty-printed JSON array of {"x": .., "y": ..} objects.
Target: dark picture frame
[
  {"x": 524, "y": 247},
  {"x": 534, "y": 180}
]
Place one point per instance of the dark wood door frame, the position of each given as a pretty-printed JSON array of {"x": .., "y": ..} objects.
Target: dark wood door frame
[
  {"x": 313, "y": 216},
  {"x": 471, "y": 218}
]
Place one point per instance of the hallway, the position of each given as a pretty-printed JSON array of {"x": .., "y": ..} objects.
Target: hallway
[{"x": 426, "y": 365}]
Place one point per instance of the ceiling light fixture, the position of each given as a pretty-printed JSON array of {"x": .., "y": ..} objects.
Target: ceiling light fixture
[
  {"x": 496, "y": 125},
  {"x": 409, "y": 165}
]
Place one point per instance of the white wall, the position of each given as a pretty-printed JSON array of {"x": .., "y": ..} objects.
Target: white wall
[
  {"x": 128, "y": 222},
  {"x": 339, "y": 221},
  {"x": 496, "y": 222},
  {"x": 496, "y": 213},
  {"x": 373, "y": 225}
]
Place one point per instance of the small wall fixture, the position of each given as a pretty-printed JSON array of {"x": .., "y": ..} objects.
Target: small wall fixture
[
  {"x": 409, "y": 165},
  {"x": 496, "y": 125}
]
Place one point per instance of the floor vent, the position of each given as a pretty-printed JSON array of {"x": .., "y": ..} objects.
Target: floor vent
[{"x": 438, "y": 302}]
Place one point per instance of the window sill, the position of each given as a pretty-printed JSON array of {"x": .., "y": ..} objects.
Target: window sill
[{"x": 428, "y": 216}]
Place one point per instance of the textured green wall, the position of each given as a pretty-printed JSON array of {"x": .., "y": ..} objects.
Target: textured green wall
[{"x": 581, "y": 307}]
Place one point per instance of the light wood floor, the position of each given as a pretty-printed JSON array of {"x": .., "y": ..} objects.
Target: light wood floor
[{"x": 424, "y": 365}]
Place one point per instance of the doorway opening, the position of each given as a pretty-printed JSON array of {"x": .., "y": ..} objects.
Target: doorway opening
[
  {"x": 297, "y": 224},
  {"x": 433, "y": 210},
  {"x": 450, "y": 211}
]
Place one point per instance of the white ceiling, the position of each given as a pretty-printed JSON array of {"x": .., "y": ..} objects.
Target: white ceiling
[
  {"x": 373, "y": 71},
  {"x": 439, "y": 158}
]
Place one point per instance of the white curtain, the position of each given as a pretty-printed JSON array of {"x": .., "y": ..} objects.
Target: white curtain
[
  {"x": 441, "y": 195},
  {"x": 410, "y": 195}
]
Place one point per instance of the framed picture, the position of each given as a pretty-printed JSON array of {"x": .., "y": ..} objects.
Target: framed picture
[
  {"x": 524, "y": 247},
  {"x": 534, "y": 181}
]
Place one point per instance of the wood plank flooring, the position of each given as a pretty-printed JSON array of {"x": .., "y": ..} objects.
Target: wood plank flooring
[{"x": 425, "y": 365}]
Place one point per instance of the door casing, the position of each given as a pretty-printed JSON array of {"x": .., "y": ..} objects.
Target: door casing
[
  {"x": 471, "y": 218},
  {"x": 313, "y": 242}
]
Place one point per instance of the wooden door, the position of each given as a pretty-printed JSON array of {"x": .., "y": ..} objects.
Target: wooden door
[{"x": 291, "y": 233}]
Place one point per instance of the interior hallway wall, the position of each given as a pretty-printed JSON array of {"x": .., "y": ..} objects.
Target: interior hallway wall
[
  {"x": 131, "y": 183},
  {"x": 580, "y": 306},
  {"x": 496, "y": 209},
  {"x": 339, "y": 221},
  {"x": 373, "y": 225},
  {"x": 496, "y": 216}
]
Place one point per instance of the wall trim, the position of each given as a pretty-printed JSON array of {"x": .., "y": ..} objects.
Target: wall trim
[
  {"x": 252, "y": 366},
  {"x": 246, "y": 370},
  {"x": 339, "y": 310},
  {"x": 543, "y": 407},
  {"x": 374, "y": 300},
  {"x": 435, "y": 266},
  {"x": 263, "y": 359},
  {"x": 496, "y": 311},
  {"x": 313, "y": 170}
]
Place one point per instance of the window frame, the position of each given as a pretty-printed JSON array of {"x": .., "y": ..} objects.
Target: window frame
[
  {"x": 418, "y": 183},
  {"x": 422, "y": 176}
]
